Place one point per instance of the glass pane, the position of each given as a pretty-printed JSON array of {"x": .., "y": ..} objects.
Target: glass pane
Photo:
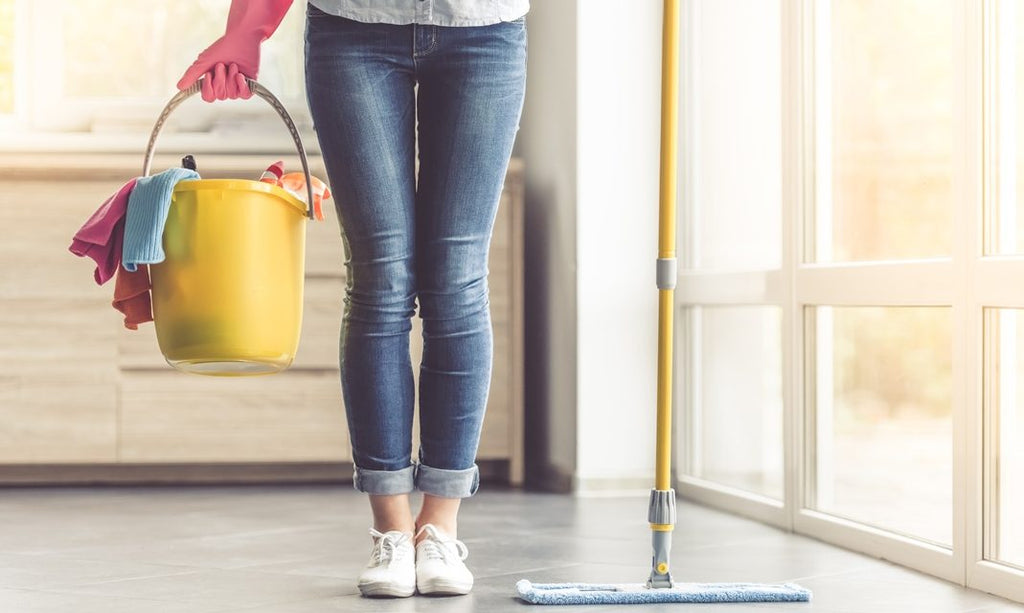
[
  {"x": 156, "y": 41},
  {"x": 1005, "y": 448},
  {"x": 884, "y": 420},
  {"x": 885, "y": 129},
  {"x": 737, "y": 139},
  {"x": 1005, "y": 219},
  {"x": 6, "y": 56},
  {"x": 738, "y": 411}
]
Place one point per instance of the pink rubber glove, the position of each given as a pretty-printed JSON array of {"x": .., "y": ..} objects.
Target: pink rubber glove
[{"x": 236, "y": 55}]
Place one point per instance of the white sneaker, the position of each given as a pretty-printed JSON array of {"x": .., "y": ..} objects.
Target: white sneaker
[
  {"x": 391, "y": 570},
  {"x": 439, "y": 567}
]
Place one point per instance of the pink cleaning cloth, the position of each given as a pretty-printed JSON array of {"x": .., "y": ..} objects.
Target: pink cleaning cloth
[{"x": 102, "y": 236}]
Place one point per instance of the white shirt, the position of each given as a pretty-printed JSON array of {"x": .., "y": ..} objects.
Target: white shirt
[{"x": 427, "y": 12}]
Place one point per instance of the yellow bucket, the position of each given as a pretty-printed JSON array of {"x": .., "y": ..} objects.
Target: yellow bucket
[
  {"x": 228, "y": 297},
  {"x": 227, "y": 300}
]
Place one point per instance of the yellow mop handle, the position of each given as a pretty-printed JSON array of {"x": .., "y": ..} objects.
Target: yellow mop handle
[
  {"x": 661, "y": 512},
  {"x": 667, "y": 236}
]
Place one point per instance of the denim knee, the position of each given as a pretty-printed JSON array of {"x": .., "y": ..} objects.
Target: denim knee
[{"x": 381, "y": 293}]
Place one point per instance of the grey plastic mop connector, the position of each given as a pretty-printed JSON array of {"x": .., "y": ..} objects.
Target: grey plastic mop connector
[
  {"x": 662, "y": 542},
  {"x": 666, "y": 273},
  {"x": 662, "y": 508},
  {"x": 662, "y": 511}
]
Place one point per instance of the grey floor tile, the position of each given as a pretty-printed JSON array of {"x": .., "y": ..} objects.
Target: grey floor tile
[
  {"x": 775, "y": 558},
  {"x": 574, "y": 573},
  {"x": 469, "y": 603},
  {"x": 32, "y": 601},
  {"x": 605, "y": 518},
  {"x": 224, "y": 588},
  {"x": 337, "y": 565},
  {"x": 886, "y": 588},
  {"x": 225, "y": 551},
  {"x": 224, "y": 528},
  {"x": 43, "y": 572},
  {"x": 772, "y": 558}
]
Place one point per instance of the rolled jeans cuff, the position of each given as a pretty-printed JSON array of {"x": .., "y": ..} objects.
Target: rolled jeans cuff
[
  {"x": 446, "y": 483},
  {"x": 384, "y": 482}
]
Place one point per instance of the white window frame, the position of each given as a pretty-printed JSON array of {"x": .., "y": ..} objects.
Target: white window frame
[
  {"x": 46, "y": 121},
  {"x": 966, "y": 282}
]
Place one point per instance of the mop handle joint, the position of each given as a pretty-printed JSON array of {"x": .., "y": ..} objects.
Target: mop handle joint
[{"x": 666, "y": 273}]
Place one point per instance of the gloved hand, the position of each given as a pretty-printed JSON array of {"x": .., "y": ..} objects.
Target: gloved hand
[{"x": 236, "y": 55}]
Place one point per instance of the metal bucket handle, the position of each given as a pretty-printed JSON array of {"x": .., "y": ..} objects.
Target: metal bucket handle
[{"x": 260, "y": 91}]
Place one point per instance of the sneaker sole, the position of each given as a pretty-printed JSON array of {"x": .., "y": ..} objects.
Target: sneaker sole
[
  {"x": 444, "y": 588},
  {"x": 386, "y": 590}
]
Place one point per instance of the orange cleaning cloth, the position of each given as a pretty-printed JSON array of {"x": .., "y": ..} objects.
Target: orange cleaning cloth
[{"x": 295, "y": 184}]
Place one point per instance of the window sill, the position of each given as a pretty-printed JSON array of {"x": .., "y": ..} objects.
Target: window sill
[
  {"x": 45, "y": 156},
  {"x": 113, "y": 165},
  {"x": 227, "y": 141}
]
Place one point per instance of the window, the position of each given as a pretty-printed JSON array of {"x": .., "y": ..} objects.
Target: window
[
  {"x": 885, "y": 291},
  {"x": 883, "y": 175},
  {"x": 110, "y": 67},
  {"x": 732, "y": 437},
  {"x": 1003, "y": 420}
]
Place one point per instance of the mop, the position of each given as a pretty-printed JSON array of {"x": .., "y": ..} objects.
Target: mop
[{"x": 662, "y": 507}]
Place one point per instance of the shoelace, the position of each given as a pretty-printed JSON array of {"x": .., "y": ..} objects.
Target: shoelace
[
  {"x": 434, "y": 546},
  {"x": 386, "y": 548}
]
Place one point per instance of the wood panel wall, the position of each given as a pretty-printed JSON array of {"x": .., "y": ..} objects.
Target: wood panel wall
[{"x": 77, "y": 388}]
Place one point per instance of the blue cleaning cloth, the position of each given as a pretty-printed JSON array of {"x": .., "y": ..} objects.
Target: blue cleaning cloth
[
  {"x": 146, "y": 215},
  {"x": 639, "y": 593}
]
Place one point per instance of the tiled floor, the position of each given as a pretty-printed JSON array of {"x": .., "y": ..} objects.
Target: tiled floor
[{"x": 298, "y": 549}]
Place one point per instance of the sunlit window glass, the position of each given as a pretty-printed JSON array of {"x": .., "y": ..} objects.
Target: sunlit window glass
[
  {"x": 883, "y": 414},
  {"x": 155, "y": 42},
  {"x": 736, "y": 120},
  {"x": 1004, "y": 217},
  {"x": 884, "y": 115},
  {"x": 1004, "y": 374}
]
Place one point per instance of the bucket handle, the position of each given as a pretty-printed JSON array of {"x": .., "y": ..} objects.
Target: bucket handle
[{"x": 260, "y": 91}]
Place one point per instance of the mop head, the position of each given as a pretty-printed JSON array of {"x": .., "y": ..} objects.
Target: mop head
[{"x": 639, "y": 593}]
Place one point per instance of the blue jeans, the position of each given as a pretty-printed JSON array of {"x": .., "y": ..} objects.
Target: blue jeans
[{"x": 376, "y": 91}]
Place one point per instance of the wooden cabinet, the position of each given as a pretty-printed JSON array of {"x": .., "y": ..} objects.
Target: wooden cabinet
[{"x": 77, "y": 388}]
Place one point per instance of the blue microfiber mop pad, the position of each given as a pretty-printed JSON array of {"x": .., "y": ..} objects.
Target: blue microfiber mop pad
[
  {"x": 639, "y": 593},
  {"x": 146, "y": 216}
]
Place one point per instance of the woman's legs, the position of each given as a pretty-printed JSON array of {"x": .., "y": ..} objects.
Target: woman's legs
[
  {"x": 471, "y": 87},
  {"x": 360, "y": 84},
  {"x": 402, "y": 239}
]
